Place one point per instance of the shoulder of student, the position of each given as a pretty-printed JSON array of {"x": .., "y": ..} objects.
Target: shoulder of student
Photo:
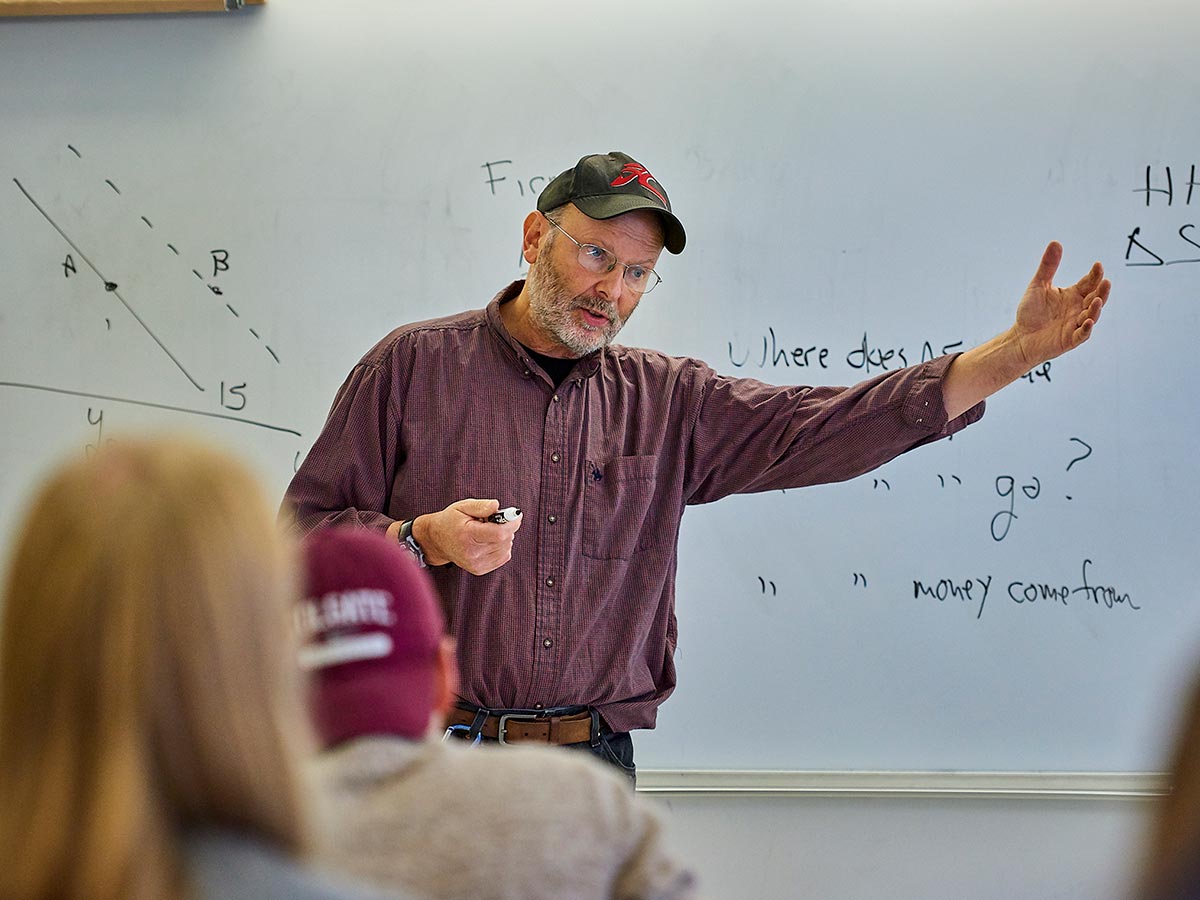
[
  {"x": 520, "y": 791},
  {"x": 223, "y": 865},
  {"x": 557, "y": 820}
]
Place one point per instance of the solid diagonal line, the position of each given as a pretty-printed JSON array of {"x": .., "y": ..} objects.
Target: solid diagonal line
[
  {"x": 100, "y": 275},
  {"x": 178, "y": 409}
]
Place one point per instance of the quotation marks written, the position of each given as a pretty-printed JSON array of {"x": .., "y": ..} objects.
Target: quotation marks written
[
  {"x": 860, "y": 578},
  {"x": 942, "y": 480},
  {"x": 879, "y": 481},
  {"x": 763, "y": 586}
]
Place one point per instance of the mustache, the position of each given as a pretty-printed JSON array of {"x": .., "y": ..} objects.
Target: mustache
[{"x": 599, "y": 307}]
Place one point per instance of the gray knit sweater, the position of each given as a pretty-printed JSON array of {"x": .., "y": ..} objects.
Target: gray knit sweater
[
  {"x": 224, "y": 865},
  {"x": 448, "y": 821}
]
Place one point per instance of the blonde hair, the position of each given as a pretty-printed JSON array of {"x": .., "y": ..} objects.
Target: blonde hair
[{"x": 147, "y": 675}]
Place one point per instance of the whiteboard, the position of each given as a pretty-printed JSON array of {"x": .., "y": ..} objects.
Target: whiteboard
[{"x": 249, "y": 201}]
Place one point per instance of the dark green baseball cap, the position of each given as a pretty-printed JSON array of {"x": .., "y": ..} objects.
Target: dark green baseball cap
[{"x": 605, "y": 185}]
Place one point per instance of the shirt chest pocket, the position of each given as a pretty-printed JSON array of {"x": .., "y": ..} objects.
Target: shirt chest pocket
[{"x": 617, "y": 499}]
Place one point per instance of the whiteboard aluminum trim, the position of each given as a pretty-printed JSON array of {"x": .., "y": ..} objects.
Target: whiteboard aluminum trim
[{"x": 1033, "y": 785}]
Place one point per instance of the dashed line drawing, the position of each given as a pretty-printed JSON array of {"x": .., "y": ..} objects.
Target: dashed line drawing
[
  {"x": 75, "y": 233},
  {"x": 220, "y": 263},
  {"x": 109, "y": 286}
]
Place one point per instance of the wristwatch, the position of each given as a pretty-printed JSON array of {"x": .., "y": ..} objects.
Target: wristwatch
[{"x": 410, "y": 543}]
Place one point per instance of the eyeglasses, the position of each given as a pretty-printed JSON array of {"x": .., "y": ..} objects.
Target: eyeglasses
[{"x": 600, "y": 262}]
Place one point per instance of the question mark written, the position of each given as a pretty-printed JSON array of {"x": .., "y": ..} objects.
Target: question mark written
[
  {"x": 1080, "y": 458},
  {"x": 1088, "y": 447}
]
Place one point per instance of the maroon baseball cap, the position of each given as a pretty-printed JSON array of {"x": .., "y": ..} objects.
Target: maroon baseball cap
[
  {"x": 605, "y": 185},
  {"x": 370, "y": 628}
]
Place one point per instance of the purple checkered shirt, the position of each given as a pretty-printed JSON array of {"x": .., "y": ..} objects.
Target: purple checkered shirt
[{"x": 602, "y": 467}]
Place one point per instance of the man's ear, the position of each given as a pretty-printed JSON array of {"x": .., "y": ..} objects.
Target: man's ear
[{"x": 532, "y": 233}]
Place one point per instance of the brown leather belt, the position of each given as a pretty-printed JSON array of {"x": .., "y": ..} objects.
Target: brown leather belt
[{"x": 517, "y": 728}]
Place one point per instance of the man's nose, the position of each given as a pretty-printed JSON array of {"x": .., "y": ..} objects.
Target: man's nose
[{"x": 612, "y": 283}]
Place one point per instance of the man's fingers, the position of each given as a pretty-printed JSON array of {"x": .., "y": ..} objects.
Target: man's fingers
[
  {"x": 489, "y": 562},
  {"x": 1044, "y": 276},
  {"x": 1088, "y": 282},
  {"x": 476, "y": 509}
]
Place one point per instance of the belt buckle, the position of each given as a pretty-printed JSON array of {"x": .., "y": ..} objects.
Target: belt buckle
[
  {"x": 504, "y": 719},
  {"x": 464, "y": 731}
]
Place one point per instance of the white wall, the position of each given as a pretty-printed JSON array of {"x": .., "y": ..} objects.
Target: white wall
[{"x": 790, "y": 847}]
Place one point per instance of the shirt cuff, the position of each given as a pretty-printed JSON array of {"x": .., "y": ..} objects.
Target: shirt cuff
[{"x": 925, "y": 407}]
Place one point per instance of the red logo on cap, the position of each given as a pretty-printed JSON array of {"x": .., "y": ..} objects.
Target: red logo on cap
[{"x": 640, "y": 174}]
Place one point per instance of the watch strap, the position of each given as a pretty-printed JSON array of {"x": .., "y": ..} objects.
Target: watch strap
[{"x": 410, "y": 543}]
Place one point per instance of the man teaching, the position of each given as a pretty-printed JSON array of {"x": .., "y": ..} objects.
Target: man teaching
[{"x": 566, "y": 631}]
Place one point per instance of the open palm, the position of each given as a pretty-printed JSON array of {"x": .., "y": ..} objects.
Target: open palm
[{"x": 1052, "y": 320}]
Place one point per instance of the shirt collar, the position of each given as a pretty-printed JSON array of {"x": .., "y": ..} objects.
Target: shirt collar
[{"x": 586, "y": 367}]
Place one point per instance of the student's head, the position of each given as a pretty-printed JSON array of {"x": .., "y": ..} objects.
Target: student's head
[
  {"x": 373, "y": 639},
  {"x": 1171, "y": 867},
  {"x": 592, "y": 245},
  {"x": 147, "y": 673}
]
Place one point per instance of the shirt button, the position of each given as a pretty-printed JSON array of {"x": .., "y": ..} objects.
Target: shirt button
[
  {"x": 551, "y": 519},
  {"x": 919, "y": 420},
  {"x": 539, "y": 706},
  {"x": 554, "y": 457},
  {"x": 527, "y": 373},
  {"x": 556, "y": 398},
  {"x": 549, "y": 582},
  {"x": 547, "y": 643}
]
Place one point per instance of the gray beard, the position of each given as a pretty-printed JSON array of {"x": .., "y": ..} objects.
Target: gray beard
[{"x": 551, "y": 308}]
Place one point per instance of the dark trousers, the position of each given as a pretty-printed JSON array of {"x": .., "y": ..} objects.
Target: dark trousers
[{"x": 616, "y": 749}]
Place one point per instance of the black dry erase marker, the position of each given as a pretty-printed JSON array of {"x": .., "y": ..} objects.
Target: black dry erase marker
[{"x": 506, "y": 515}]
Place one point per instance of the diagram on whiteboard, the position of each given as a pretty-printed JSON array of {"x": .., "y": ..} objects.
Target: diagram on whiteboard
[{"x": 108, "y": 288}]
